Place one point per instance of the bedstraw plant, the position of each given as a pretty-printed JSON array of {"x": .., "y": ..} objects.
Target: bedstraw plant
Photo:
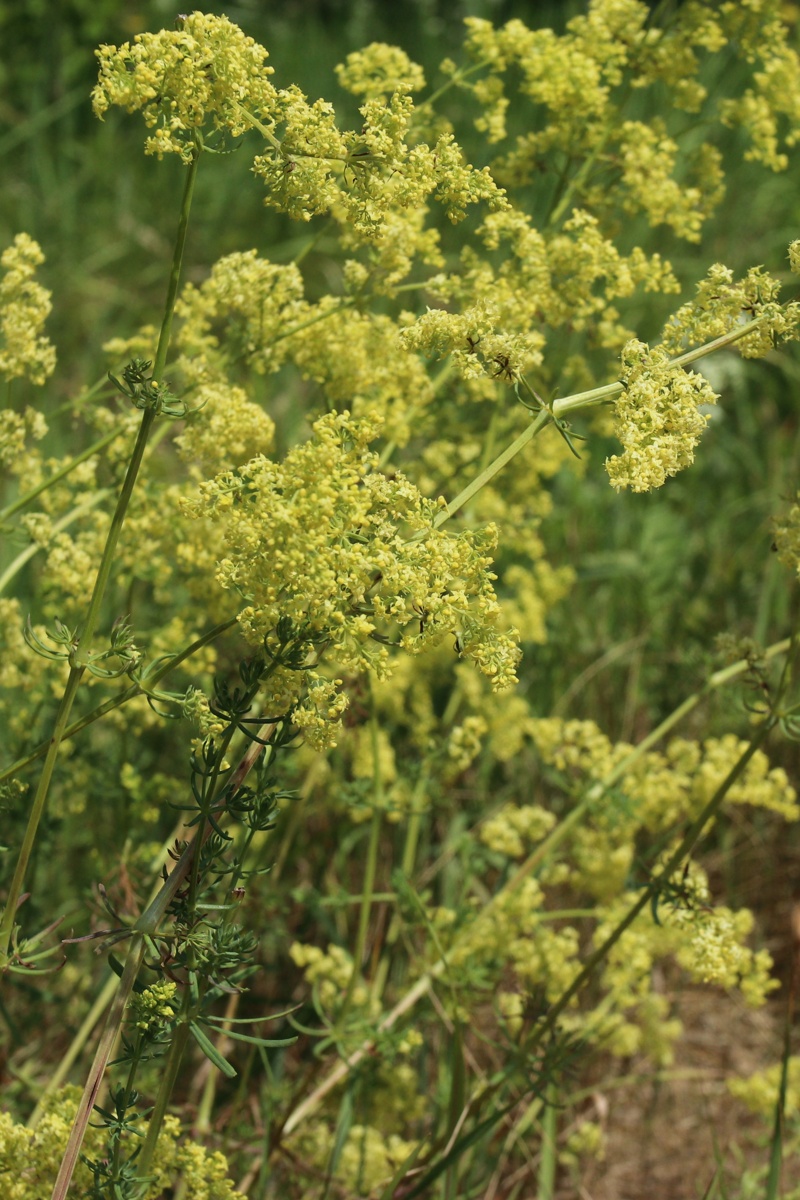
[{"x": 288, "y": 834}]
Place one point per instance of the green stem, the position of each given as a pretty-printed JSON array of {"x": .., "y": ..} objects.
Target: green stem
[
  {"x": 597, "y": 395},
  {"x": 37, "y": 809},
  {"x": 571, "y": 404},
  {"x": 453, "y": 81},
  {"x": 64, "y": 522},
  {"x": 370, "y": 869},
  {"x": 148, "y": 418},
  {"x": 488, "y": 473},
  {"x": 26, "y": 497},
  {"x": 136, "y": 689},
  {"x": 169, "y": 1077},
  {"x": 79, "y": 658}
]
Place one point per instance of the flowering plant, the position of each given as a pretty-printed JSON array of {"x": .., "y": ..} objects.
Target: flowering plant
[{"x": 349, "y": 492}]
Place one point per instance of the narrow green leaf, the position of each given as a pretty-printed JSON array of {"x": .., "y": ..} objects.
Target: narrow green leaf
[
  {"x": 776, "y": 1144},
  {"x": 455, "y": 1152},
  {"x": 211, "y": 1052},
  {"x": 343, "y": 1125},
  {"x": 118, "y": 968},
  {"x": 401, "y": 1172},
  {"x": 257, "y": 1041},
  {"x": 249, "y": 1020}
]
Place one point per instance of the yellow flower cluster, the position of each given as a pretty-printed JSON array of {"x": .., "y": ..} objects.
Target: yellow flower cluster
[
  {"x": 24, "y": 307},
  {"x": 573, "y": 79},
  {"x": 787, "y": 538},
  {"x": 225, "y": 430},
  {"x": 664, "y": 787},
  {"x": 708, "y": 942},
  {"x": 648, "y": 158},
  {"x": 15, "y": 430},
  {"x": 469, "y": 337},
  {"x": 378, "y": 71},
  {"x": 204, "y": 76},
  {"x": 570, "y": 76},
  {"x": 512, "y": 933},
  {"x": 587, "y": 1141},
  {"x": 557, "y": 280},
  {"x": 238, "y": 316},
  {"x": 30, "y": 1158},
  {"x": 576, "y": 748},
  {"x": 759, "y": 1091},
  {"x": 464, "y": 743},
  {"x": 722, "y": 303},
  {"x": 713, "y": 951},
  {"x": 152, "y": 1008},
  {"x": 346, "y": 552},
  {"x": 359, "y": 362},
  {"x": 22, "y": 671},
  {"x": 319, "y": 711},
  {"x": 330, "y": 972},
  {"x": 769, "y": 111},
  {"x": 657, "y": 418},
  {"x": 207, "y": 76},
  {"x": 367, "y": 1160},
  {"x": 516, "y": 828},
  {"x": 362, "y": 175},
  {"x": 759, "y": 785}
]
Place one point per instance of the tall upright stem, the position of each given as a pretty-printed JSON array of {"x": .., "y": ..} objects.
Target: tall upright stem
[{"x": 87, "y": 631}]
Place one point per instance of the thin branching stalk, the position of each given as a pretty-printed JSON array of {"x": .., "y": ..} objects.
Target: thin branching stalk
[
  {"x": 570, "y": 404},
  {"x": 137, "y": 689},
  {"x": 145, "y": 929}
]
